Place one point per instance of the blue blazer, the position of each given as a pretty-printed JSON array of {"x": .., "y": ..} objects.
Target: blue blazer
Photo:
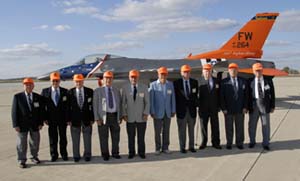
[
  {"x": 159, "y": 105},
  {"x": 230, "y": 103}
]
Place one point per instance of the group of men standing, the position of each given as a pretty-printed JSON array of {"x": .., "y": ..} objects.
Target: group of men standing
[{"x": 108, "y": 106}]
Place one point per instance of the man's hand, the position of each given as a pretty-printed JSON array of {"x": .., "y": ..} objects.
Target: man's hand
[
  {"x": 145, "y": 117},
  {"x": 173, "y": 114},
  {"x": 17, "y": 129},
  {"x": 99, "y": 122}
]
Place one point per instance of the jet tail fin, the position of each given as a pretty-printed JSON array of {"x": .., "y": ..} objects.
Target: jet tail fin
[{"x": 247, "y": 42}]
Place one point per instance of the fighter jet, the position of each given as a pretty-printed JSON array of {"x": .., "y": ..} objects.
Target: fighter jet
[{"x": 244, "y": 48}]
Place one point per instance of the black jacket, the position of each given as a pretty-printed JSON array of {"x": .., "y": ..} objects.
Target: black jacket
[
  {"x": 84, "y": 115},
  {"x": 182, "y": 103},
  {"x": 209, "y": 99},
  {"x": 23, "y": 117},
  {"x": 269, "y": 95},
  {"x": 56, "y": 114},
  {"x": 229, "y": 102}
]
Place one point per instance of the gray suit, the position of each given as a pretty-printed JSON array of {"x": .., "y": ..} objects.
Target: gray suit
[
  {"x": 110, "y": 119},
  {"x": 134, "y": 110}
]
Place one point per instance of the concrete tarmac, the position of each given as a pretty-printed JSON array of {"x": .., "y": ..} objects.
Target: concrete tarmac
[{"x": 281, "y": 163}]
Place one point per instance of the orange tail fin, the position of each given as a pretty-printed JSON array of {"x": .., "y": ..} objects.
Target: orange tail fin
[{"x": 246, "y": 43}]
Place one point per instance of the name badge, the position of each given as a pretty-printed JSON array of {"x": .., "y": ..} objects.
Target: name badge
[
  {"x": 141, "y": 94},
  {"x": 89, "y": 99},
  {"x": 217, "y": 86},
  {"x": 65, "y": 98},
  {"x": 36, "y": 104},
  {"x": 267, "y": 87},
  {"x": 194, "y": 90},
  {"x": 169, "y": 91}
]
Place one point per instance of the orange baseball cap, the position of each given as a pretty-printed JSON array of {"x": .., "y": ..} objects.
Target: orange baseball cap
[
  {"x": 28, "y": 81},
  {"x": 185, "y": 68},
  {"x": 134, "y": 73},
  {"x": 78, "y": 77},
  {"x": 55, "y": 76},
  {"x": 108, "y": 74},
  {"x": 233, "y": 66},
  {"x": 162, "y": 70},
  {"x": 257, "y": 66},
  {"x": 207, "y": 67}
]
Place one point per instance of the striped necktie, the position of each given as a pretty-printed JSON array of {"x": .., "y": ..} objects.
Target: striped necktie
[{"x": 80, "y": 99}]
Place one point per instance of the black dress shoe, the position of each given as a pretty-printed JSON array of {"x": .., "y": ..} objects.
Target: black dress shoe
[
  {"x": 53, "y": 159},
  {"x": 76, "y": 159},
  {"x": 217, "y": 147},
  {"x": 192, "y": 150},
  {"x": 65, "y": 158},
  {"x": 228, "y": 147},
  {"x": 182, "y": 151},
  {"x": 35, "y": 160},
  {"x": 22, "y": 165},
  {"x": 202, "y": 147},
  {"x": 267, "y": 148},
  {"x": 105, "y": 158},
  {"x": 130, "y": 156},
  {"x": 87, "y": 159},
  {"x": 143, "y": 156},
  {"x": 251, "y": 145},
  {"x": 240, "y": 147},
  {"x": 116, "y": 156}
]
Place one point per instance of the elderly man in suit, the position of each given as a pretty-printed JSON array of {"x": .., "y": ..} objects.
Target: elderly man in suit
[
  {"x": 261, "y": 104},
  {"x": 162, "y": 108},
  {"x": 27, "y": 118},
  {"x": 56, "y": 104},
  {"x": 209, "y": 107},
  {"x": 107, "y": 114},
  {"x": 81, "y": 117},
  {"x": 234, "y": 104},
  {"x": 135, "y": 110},
  {"x": 186, "y": 95}
]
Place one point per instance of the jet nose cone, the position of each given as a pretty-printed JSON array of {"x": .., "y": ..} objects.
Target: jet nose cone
[{"x": 44, "y": 77}]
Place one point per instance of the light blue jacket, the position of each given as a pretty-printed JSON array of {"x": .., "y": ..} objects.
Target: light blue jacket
[{"x": 160, "y": 104}]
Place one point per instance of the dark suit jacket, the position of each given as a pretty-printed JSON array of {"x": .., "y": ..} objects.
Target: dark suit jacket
[
  {"x": 56, "y": 114},
  {"x": 86, "y": 114},
  {"x": 182, "y": 102},
  {"x": 209, "y": 99},
  {"x": 269, "y": 92},
  {"x": 21, "y": 115},
  {"x": 228, "y": 101}
]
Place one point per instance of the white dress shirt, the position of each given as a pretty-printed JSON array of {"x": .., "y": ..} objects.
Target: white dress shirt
[
  {"x": 77, "y": 94},
  {"x": 53, "y": 94},
  {"x": 256, "y": 86},
  {"x": 236, "y": 81}
]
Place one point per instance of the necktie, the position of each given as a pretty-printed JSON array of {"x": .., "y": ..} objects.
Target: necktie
[
  {"x": 56, "y": 97},
  {"x": 110, "y": 98},
  {"x": 235, "y": 88},
  {"x": 187, "y": 90},
  {"x": 134, "y": 92},
  {"x": 208, "y": 85},
  {"x": 80, "y": 99},
  {"x": 30, "y": 101},
  {"x": 260, "y": 91}
]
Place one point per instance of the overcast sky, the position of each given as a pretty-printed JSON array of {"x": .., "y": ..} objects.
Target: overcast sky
[{"x": 39, "y": 36}]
